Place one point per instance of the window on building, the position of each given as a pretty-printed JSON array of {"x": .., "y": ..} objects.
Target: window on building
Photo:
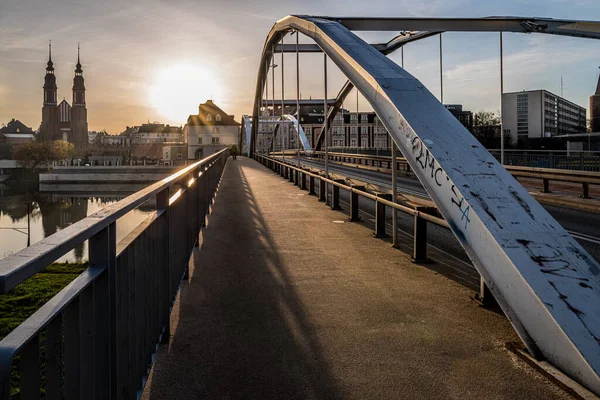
[
  {"x": 208, "y": 117},
  {"x": 215, "y": 140},
  {"x": 218, "y": 118},
  {"x": 199, "y": 140},
  {"x": 216, "y": 130}
]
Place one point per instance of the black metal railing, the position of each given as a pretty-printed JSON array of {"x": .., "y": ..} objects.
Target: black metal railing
[
  {"x": 96, "y": 338},
  {"x": 300, "y": 175}
]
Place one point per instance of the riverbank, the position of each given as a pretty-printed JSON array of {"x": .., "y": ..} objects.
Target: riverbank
[{"x": 25, "y": 299}]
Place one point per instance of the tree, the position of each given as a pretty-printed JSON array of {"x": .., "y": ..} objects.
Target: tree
[
  {"x": 34, "y": 155},
  {"x": 486, "y": 128},
  {"x": 63, "y": 150},
  {"x": 485, "y": 118}
]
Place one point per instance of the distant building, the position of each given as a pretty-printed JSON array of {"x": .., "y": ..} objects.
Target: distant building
[
  {"x": 174, "y": 154},
  {"x": 63, "y": 121},
  {"x": 14, "y": 134},
  {"x": 154, "y": 133},
  {"x": 348, "y": 129},
  {"x": 145, "y": 134},
  {"x": 595, "y": 109},
  {"x": 210, "y": 130},
  {"x": 540, "y": 114},
  {"x": 465, "y": 117}
]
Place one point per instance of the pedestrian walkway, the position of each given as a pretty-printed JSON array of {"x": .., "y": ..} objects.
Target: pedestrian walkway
[{"x": 288, "y": 300}]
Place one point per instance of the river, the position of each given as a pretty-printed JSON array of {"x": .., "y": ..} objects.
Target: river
[{"x": 55, "y": 210}]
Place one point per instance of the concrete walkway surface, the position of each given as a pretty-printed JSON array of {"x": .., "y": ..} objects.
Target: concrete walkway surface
[{"x": 288, "y": 300}]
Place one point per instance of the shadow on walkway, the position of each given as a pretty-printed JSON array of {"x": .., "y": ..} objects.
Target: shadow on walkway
[{"x": 239, "y": 329}]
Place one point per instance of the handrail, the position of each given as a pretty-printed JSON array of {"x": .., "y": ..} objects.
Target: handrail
[
  {"x": 585, "y": 178},
  {"x": 516, "y": 168},
  {"x": 32, "y": 326},
  {"x": 17, "y": 267},
  {"x": 407, "y": 210},
  {"x": 102, "y": 329}
]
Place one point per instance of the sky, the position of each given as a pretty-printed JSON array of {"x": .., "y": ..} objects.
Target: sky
[{"x": 156, "y": 60}]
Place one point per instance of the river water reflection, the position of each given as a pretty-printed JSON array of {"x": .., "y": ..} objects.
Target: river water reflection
[{"x": 57, "y": 209}]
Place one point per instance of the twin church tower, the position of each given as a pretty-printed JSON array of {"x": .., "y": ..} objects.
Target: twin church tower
[{"x": 63, "y": 121}]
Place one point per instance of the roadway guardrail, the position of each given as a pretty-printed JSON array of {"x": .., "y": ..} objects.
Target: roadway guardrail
[
  {"x": 585, "y": 178},
  {"x": 299, "y": 176}
]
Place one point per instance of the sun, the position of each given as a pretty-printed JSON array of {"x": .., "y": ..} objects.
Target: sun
[{"x": 179, "y": 89}]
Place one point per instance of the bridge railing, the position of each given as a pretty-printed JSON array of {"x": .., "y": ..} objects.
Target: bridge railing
[
  {"x": 96, "y": 338},
  {"x": 382, "y": 200},
  {"x": 584, "y": 178}
]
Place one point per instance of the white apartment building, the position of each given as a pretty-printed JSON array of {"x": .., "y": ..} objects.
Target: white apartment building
[{"x": 540, "y": 113}]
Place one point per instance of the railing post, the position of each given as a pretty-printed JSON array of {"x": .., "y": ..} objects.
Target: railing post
[
  {"x": 485, "y": 296},
  {"x": 103, "y": 253},
  {"x": 322, "y": 189},
  {"x": 380, "y": 215},
  {"x": 302, "y": 180},
  {"x": 335, "y": 195},
  {"x": 546, "y": 185},
  {"x": 354, "y": 199},
  {"x": 586, "y": 190},
  {"x": 419, "y": 240},
  {"x": 296, "y": 178},
  {"x": 311, "y": 185},
  {"x": 162, "y": 204}
]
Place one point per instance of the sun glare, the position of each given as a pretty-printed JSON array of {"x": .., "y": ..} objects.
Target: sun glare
[{"x": 178, "y": 90}]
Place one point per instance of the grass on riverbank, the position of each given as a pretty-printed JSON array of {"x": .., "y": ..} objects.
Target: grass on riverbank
[{"x": 23, "y": 300}]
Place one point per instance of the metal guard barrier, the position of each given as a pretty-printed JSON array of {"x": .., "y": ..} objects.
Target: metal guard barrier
[
  {"x": 420, "y": 229},
  {"x": 101, "y": 331}
]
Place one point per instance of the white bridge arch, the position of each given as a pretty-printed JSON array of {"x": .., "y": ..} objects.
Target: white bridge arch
[{"x": 546, "y": 283}]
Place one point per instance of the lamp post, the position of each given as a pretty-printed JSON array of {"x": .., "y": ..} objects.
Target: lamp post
[{"x": 272, "y": 120}]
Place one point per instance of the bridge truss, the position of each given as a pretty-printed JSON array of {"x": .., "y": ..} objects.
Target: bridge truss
[{"x": 546, "y": 283}]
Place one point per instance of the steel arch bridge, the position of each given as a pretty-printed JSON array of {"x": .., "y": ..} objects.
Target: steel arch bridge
[{"x": 546, "y": 283}]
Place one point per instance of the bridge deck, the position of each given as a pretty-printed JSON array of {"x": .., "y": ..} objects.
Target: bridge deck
[{"x": 286, "y": 302}]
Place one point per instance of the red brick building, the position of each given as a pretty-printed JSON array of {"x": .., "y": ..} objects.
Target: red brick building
[{"x": 64, "y": 121}]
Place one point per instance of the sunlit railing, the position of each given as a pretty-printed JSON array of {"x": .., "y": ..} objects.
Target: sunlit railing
[{"x": 96, "y": 338}]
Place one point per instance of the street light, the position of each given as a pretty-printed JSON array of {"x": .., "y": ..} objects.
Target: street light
[{"x": 273, "y": 66}]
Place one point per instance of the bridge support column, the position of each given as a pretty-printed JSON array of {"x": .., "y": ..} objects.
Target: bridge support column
[
  {"x": 296, "y": 177},
  {"x": 302, "y": 180},
  {"x": 380, "y": 215},
  {"x": 586, "y": 191},
  {"x": 291, "y": 174},
  {"x": 322, "y": 190},
  {"x": 420, "y": 240},
  {"x": 335, "y": 196},
  {"x": 311, "y": 185},
  {"x": 354, "y": 216}
]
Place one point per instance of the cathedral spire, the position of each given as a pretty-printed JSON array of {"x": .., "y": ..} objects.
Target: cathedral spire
[
  {"x": 78, "y": 70},
  {"x": 50, "y": 66}
]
